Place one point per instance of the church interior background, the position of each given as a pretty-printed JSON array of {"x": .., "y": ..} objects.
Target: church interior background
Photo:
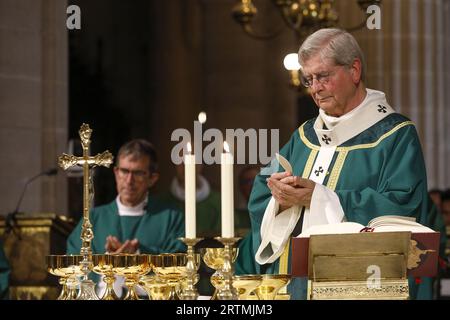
[{"x": 145, "y": 68}]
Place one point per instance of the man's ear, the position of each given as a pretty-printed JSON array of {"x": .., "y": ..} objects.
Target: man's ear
[
  {"x": 153, "y": 179},
  {"x": 356, "y": 70}
]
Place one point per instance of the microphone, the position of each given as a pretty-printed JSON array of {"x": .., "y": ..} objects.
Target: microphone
[{"x": 10, "y": 221}]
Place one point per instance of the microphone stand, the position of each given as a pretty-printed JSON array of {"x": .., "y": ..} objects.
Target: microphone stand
[{"x": 11, "y": 219}]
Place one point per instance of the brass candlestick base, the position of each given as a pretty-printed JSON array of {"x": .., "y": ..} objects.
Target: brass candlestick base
[
  {"x": 87, "y": 286},
  {"x": 190, "y": 291},
  {"x": 87, "y": 290},
  {"x": 227, "y": 291}
]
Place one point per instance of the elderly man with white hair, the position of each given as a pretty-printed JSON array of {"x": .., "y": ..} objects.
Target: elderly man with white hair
[{"x": 358, "y": 159}]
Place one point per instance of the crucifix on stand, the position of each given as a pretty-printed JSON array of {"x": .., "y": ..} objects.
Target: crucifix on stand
[{"x": 105, "y": 159}]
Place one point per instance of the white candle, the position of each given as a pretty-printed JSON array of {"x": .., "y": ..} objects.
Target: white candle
[
  {"x": 189, "y": 189},
  {"x": 227, "y": 201}
]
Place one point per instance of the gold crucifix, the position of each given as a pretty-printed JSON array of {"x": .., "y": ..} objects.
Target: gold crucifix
[{"x": 66, "y": 161}]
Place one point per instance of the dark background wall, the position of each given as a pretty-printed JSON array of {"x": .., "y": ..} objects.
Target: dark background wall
[{"x": 144, "y": 68}]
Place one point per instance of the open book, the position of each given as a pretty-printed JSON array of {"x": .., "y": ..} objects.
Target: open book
[
  {"x": 378, "y": 224},
  {"x": 424, "y": 242}
]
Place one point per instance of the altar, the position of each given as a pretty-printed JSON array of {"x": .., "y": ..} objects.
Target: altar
[{"x": 33, "y": 238}]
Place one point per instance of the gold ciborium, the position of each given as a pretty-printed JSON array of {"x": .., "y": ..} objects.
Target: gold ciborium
[
  {"x": 103, "y": 265},
  {"x": 156, "y": 288},
  {"x": 171, "y": 268},
  {"x": 246, "y": 284},
  {"x": 214, "y": 258},
  {"x": 67, "y": 268},
  {"x": 271, "y": 284},
  {"x": 131, "y": 266}
]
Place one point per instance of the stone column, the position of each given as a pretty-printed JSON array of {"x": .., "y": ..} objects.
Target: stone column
[
  {"x": 33, "y": 103},
  {"x": 407, "y": 60}
]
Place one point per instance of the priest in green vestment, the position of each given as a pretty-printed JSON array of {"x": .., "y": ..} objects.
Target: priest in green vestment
[
  {"x": 4, "y": 273},
  {"x": 134, "y": 222},
  {"x": 357, "y": 160}
]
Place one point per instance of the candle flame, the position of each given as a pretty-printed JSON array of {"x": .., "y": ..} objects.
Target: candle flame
[
  {"x": 226, "y": 147},
  {"x": 202, "y": 117},
  {"x": 189, "y": 147}
]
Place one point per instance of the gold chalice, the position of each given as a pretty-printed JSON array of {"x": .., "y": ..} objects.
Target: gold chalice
[
  {"x": 156, "y": 288},
  {"x": 67, "y": 268},
  {"x": 171, "y": 267},
  {"x": 131, "y": 266},
  {"x": 271, "y": 284},
  {"x": 246, "y": 284},
  {"x": 214, "y": 258},
  {"x": 283, "y": 296},
  {"x": 103, "y": 265}
]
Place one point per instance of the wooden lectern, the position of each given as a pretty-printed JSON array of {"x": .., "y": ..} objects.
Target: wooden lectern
[
  {"x": 34, "y": 237},
  {"x": 363, "y": 265}
]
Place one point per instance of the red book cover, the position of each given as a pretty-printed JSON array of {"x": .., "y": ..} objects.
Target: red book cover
[{"x": 427, "y": 248}]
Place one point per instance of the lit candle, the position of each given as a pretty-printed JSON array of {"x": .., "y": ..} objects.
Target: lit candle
[
  {"x": 227, "y": 201},
  {"x": 189, "y": 189}
]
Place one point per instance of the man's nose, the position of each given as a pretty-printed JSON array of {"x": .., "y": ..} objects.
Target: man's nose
[
  {"x": 316, "y": 86},
  {"x": 129, "y": 178}
]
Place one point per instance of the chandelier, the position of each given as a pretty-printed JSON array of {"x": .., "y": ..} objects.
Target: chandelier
[{"x": 302, "y": 16}]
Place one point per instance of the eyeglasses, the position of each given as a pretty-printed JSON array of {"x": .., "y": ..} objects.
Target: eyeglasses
[
  {"x": 137, "y": 174},
  {"x": 322, "y": 78}
]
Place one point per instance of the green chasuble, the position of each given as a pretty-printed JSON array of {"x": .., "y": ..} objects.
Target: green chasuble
[
  {"x": 157, "y": 230},
  {"x": 4, "y": 274},
  {"x": 208, "y": 222},
  {"x": 380, "y": 171},
  {"x": 242, "y": 223},
  {"x": 245, "y": 261}
]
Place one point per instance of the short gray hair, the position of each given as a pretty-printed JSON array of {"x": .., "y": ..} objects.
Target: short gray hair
[
  {"x": 334, "y": 44},
  {"x": 137, "y": 149}
]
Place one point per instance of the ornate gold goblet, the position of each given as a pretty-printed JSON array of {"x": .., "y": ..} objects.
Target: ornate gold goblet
[
  {"x": 171, "y": 268},
  {"x": 131, "y": 266},
  {"x": 214, "y": 258},
  {"x": 103, "y": 265},
  {"x": 246, "y": 284},
  {"x": 156, "y": 288},
  {"x": 67, "y": 268},
  {"x": 271, "y": 284}
]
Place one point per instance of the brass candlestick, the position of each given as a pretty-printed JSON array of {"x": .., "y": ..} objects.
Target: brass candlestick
[
  {"x": 227, "y": 291},
  {"x": 190, "y": 291},
  {"x": 87, "y": 287}
]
